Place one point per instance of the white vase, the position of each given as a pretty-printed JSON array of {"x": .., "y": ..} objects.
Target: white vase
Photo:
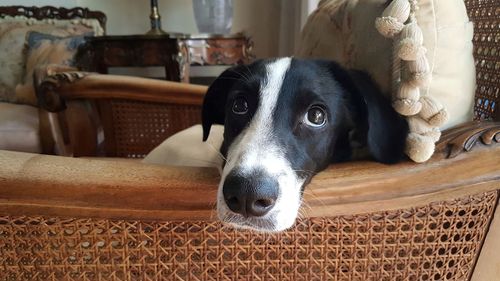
[{"x": 213, "y": 16}]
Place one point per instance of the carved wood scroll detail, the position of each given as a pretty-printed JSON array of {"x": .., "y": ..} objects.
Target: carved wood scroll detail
[
  {"x": 49, "y": 12},
  {"x": 48, "y": 84},
  {"x": 465, "y": 137}
]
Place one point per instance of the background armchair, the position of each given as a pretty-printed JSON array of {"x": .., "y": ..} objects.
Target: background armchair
[
  {"x": 133, "y": 114},
  {"x": 23, "y": 127}
]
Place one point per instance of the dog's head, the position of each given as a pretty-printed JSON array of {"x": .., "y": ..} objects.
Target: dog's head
[{"x": 284, "y": 121}]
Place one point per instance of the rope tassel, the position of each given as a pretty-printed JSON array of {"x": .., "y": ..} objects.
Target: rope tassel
[
  {"x": 411, "y": 78},
  {"x": 433, "y": 111},
  {"x": 411, "y": 47},
  {"x": 417, "y": 73},
  {"x": 393, "y": 18},
  {"x": 407, "y": 100}
]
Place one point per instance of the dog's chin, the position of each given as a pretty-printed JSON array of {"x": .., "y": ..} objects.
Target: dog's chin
[{"x": 272, "y": 222}]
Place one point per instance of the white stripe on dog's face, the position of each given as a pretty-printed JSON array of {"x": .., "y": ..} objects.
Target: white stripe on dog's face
[{"x": 257, "y": 149}]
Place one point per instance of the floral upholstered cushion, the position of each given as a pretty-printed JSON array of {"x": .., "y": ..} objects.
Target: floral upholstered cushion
[
  {"x": 13, "y": 33},
  {"x": 41, "y": 50}
]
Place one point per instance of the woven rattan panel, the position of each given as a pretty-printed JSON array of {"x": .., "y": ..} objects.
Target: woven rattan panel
[
  {"x": 486, "y": 17},
  {"x": 439, "y": 241},
  {"x": 141, "y": 126}
]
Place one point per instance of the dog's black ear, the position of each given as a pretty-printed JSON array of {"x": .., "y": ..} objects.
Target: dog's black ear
[
  {"x": 383, "y": 129},
  {"x": 214, "y": 103},
  {"x": 387, "y": 129}
]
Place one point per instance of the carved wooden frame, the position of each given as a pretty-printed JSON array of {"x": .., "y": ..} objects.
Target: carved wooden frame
[{"x": 50, "y": 12}]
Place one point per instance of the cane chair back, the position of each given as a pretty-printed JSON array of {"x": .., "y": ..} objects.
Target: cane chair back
[
  {"x": 486, "y": 17},
  {"x": 132, "y": 128}
]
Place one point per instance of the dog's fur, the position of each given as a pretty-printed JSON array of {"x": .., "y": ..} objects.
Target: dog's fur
[{"x": 271, "y": 152}]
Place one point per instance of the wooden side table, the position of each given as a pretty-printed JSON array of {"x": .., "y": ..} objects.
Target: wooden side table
[
  {"x": 102, "y": 52},
  {"x": 207, "y": 49},
  {"x": 210, "y": 55},
  {"x": 173, "y": 51}
]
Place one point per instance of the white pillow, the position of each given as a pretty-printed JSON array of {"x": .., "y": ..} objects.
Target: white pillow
[{"x": 186, "y": 148}]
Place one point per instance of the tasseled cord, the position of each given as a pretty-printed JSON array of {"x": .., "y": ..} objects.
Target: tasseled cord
[{"x": 398, "y": 21}]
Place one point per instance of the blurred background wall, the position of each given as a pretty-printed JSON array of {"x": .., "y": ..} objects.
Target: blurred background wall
[{"x": 274, "y": 25}]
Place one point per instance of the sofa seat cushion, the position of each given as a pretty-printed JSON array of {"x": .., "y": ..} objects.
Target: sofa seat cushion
[{"x": 19, "y": 128}]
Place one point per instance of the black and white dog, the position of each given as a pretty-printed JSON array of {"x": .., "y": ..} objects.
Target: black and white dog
[{"x": 285, "y": 120}]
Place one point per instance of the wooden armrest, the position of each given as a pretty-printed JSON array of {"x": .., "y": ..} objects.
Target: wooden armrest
[
  {"x": 51, "y": 185},
  {"x": 53, "y": 88}
]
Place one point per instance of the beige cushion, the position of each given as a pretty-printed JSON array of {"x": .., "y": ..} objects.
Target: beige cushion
[
  {"x": 186, "y": 148},
  {"x": 344, "y": 30},
  {"x": 448, "y": 38},
  {"x": 340, "y": 29},
  {"x": 19, "y": 128}
]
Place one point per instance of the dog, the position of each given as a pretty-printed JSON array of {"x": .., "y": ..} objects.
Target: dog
[{"x": 285, "y": 120}]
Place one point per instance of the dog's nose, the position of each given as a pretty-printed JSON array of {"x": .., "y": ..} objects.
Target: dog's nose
[{"x": 252, "y": 195}]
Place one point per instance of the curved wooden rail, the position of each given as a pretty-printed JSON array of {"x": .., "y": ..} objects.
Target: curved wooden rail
[
  {"x": 52, "y": 185},
  {"x": 55, "y": 85}
]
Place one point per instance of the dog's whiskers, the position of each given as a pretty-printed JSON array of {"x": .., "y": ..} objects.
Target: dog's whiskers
[
  {"x": 304, "y": 210},
  {"x": 309, "y": 173},
  {"x": 267, "y": 225},
  {"x": 236, "y": 79},
  {"x": 217, "y": 151},
  {"x": 249, "y": 71},
  {"x": 241, "y": 79},
  {"x": 231, "y": 221},
  {"x": 314, "y": 197},
  {"x": 247, "y": 78},
  {"x": 213, "y": 205},
  {"x": 204, "y": 161}
]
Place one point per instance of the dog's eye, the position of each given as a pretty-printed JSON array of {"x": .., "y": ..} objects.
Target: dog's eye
[
  {"x": 315, "y": 116},
  {"x": 240, "y": 106}
]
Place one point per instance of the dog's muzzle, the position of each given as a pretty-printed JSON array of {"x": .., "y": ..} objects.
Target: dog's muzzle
[{"x": 250, "y": 196}]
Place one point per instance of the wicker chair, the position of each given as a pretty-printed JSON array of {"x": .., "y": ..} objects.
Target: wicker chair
[
  {"x": 65, "y": 218},
  {"x": 134, "y": 114}
]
